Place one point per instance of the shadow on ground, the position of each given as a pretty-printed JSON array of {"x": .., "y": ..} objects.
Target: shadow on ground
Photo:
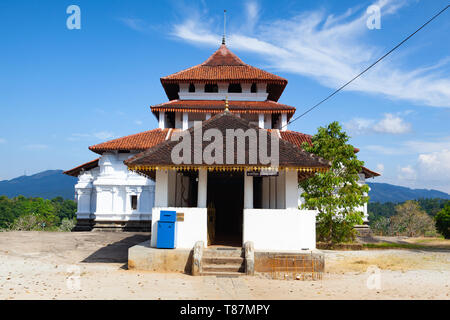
[{"x": 116, "y": 252}]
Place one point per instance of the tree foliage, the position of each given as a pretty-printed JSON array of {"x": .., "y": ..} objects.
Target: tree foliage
[
  {"x": 336, "y": 193},
  {"x": 442, "y": 219},
  {"x": 409, "y": 219},
  {"x": 387, "y": 209},
  {"x": 21, "y": 213},
  {"x": 380, "y": 214}
]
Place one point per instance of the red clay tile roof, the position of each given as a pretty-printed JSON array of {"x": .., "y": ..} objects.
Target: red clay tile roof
[
  {"x": 75, "y": 172},
  {"x": 216, "y": 106},
  {"x": 224, "y": 66},
  {"x": 296, "y": 138},
  {"x": 369, "y": 173},
  {"x": 289, "y": 154},
  {"x": 139, "y": 141}
]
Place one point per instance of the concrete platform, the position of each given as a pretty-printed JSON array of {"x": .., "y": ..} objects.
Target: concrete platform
[{"x": 144, "y": 257}]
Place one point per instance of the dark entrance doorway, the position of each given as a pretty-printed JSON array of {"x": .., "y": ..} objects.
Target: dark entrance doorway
[{"x": 225, "y": 208}]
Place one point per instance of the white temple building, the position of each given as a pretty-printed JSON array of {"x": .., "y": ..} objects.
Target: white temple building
[{"x": 135, "y": 178}]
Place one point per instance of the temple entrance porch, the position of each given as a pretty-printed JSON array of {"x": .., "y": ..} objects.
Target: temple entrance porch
[{"x": 225, "y": 199}]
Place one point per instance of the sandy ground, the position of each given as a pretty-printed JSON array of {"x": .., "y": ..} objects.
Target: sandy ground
[{"x": 54, "y": 265}]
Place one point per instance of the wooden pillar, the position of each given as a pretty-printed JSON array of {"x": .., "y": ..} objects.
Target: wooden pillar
[
  {"x": 248, "y": 191},
  {"x": 291, "y": 189},
  {"x": 162, "y": 122},
  {"x": 202, "y": 188},
  {"x": 283, "y": 122},
  {"x": 261, "y": 120},
  {"x": 162, "y": 188},
  {"x": 185, "y": 121}
]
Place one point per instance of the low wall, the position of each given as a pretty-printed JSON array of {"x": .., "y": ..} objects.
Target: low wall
[
  {"x": 188, "y": 232},
  {"x": 307, "y": 265},
  {"x": 280, "y": 229},
  {"x": 143, "y": 257}
]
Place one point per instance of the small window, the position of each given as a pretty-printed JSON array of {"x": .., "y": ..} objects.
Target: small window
[
  {"x": 191, "y": 87},
  {"x": 253, "y": 88},
  {"x": 211, "y": 88},
  {"x": 134, "y": 202},
  {"x": 235, "y": 88}
]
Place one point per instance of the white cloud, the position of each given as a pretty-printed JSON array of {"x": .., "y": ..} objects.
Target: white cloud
[
  {"x": 430, "y": 170},
  {"x": 135, "y": 24},
  {"x": 412, "y": 147},
  {"x": 435, "y": 165},
  {"x": 391, "y": 124},
  {"x": 380, "y": 168},
  {"x": 407, "y": 173},
  {"x": 138, "y": 122},
  {"x": 252, "y": 12},
  {"x": 383, "y": 149},
  {"x": 331, "y": 49},
  {"x": 102, "y": 135},
  {"x": 428, "y": 146},
  {"x": 2, "y": 140}
]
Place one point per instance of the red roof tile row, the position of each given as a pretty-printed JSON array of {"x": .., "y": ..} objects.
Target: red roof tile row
[
  {"x": 215, "y": 106},
  {"x": 75, "y": 172},
  {"x": 223, "y": 65},
  {"x": 138, "y": 141}
]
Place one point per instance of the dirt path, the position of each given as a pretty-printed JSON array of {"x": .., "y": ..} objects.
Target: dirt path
[{"x": 44, "y": 265}]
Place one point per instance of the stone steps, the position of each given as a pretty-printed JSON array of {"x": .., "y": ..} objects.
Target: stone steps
[
  {"x": 224, "y": 268},
  {"x": 222, "y": 274},
  {"x": 223, "y": 262}
]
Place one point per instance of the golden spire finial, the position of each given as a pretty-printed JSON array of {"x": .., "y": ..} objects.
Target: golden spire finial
[{"x": 226, "y": 104}]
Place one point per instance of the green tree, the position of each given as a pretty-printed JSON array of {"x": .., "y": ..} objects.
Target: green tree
[
  {"x": 336, "y": 193},
  {"x": 442, "y": 219},
  {"x": 6, "y": 213},
  {"x": 23, "y": 213},
  {"x": 411, "y": 220},
  {"x": 381, "y": 226}
]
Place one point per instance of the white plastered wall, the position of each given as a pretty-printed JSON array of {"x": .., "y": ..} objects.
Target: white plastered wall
[
  {"x": 104, "y": 193},
  {"x": 280, "y": 229},
  {"x": 188, "y": 232}
]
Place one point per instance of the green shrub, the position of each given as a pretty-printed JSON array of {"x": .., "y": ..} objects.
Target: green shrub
[
  {"x": 67, "y": 225},
  {"x": 29, "y": 222},
  {"x": 411, "y": 220},
  {"x": 442, "y": 220}
]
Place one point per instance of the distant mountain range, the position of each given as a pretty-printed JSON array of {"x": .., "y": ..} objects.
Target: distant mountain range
[
  {"x": 47, "y": 184},
  {"x": 384, "y": 192},
  {"x": 53, "y": 183}
]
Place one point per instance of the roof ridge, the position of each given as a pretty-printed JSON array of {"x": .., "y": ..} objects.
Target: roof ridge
[{"x": 218, "y": 58}]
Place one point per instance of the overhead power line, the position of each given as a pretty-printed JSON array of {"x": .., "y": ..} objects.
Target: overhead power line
[{"x": 369, "y": 67}]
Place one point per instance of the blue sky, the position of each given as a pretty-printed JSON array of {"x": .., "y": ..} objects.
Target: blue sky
[{"x": 63, "y": 90}]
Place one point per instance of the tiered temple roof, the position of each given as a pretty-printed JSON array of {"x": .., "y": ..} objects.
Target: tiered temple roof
[
  {"x": 224, "y": 66},
  {"x": 217, "y": 106}
]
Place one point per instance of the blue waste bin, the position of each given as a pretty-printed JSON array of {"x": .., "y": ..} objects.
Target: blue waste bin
[{"x": 166, "y": 237}]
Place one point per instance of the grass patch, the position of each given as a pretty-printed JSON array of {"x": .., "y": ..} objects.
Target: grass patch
[
  {"x": 390, "y": 245},
  {"x": 339, "y": 246}
]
